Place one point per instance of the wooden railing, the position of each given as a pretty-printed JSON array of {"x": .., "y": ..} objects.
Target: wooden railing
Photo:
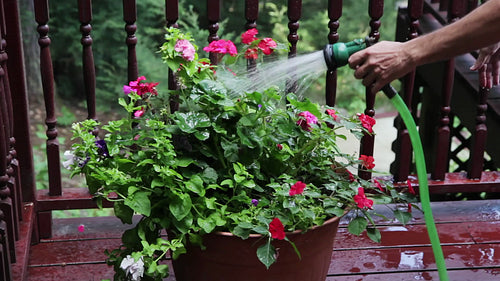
[{"x": 429, "y": 89}]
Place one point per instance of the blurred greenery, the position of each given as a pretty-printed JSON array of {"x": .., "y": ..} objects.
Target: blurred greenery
[{"x": 110, "y": 52}]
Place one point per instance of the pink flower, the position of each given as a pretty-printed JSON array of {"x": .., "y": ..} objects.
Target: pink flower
[
  {"x": 81, "y": 228},
  {"x": 249, "y": 36},
  {"x": 306, "y": 120},
  {"x": 251, "y": 53},
  {"x": 222, "y": 47},
  {"x": 332, "y": 112},
  {"x": 277, "y": 229},
  {"x": 140, "y": 88},
  {"x": 367, "y": 122},
  {"x": 297, "y": 188},
  {"x": 267, "y": 45},
  {"x": 367, "y": 161},
  {"x": 362, "y": 200},
  {"x": 186, "y": 49},
  {"x": 139, "y": 113}
]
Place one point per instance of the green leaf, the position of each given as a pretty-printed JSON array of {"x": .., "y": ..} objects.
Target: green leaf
[
  {"x": 374, "y": 234},
  {"x": 267, "y": 254},
  {"x": 180, "y": 206},
  {"x": 123, "y": 212},
  {"x": 357, "y": 225},
  {"x": 195, "y": 184},
  {"x": 139, "y": 202},
  {"x": 403, "y": 217},
  {"x": 206, "y": 224}
]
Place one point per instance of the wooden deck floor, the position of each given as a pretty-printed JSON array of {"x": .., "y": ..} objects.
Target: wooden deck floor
[{"x": 469, "y": 232}]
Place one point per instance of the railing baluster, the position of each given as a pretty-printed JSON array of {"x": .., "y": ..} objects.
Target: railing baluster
[
  {"x": 172, "y": 15},
  {"x": 375, "y": 11},
  {"x": 89, "y": 79},
  {"x": 7, "y": 185},
  {"x": 130, "y": 17},
  {"x": 54, "y": 167},
  {"x": 213, "y": 14},
  {"x": 456, "y": 9},
  {"x": 251, "y": 15},
  {"x": 478, "y": 146},
  {"x": 5, "y": 262},
  {"x": 403, "y": 160},
  {"x": 15, "y": 65},
  {"x": 334, "y": 14},
  {"x": 294, "y": 14}
]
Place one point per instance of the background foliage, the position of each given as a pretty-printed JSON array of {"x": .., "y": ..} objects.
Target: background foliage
[{"x": 110, "y": 49}]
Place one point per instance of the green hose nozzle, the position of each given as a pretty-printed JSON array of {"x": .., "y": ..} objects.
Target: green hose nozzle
[{"x": 336, "y": 55}]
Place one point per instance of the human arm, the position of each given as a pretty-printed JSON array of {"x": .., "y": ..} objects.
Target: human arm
[
  {"x": 488, "y": 64},
  {"x": 383, "y": 62}
]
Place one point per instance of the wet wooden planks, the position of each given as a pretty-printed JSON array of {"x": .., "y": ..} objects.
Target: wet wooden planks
[{"x": 468, "y": 231}]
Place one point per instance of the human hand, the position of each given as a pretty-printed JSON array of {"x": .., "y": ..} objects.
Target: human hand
[
  {"x": 488, "y": 64},
  {"x": 380, "y": 64}
]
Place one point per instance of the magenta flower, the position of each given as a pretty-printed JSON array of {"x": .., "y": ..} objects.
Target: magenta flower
[
  {"x": 306, "y": 120},
  {"x": 267, "y": 45},
  {"x": 81, "y": 228},
  {"x": 222, "y": 47},
  {"x": 249, "y": 36},
  {"x": 140, "y": 88},
  {"x": 186, "y": 49},
  {"x": 139, "y": 113},
  {"x": 251, "y": 53},
  {"x": 332, "y": 113}
]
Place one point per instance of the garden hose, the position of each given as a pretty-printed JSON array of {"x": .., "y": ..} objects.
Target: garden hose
[
  {"x": 337, "y": 55},
  {"x": 399, "y": 104}
]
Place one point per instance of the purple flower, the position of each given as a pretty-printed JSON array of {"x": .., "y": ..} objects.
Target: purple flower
[
  {"x": 255, "y": 202},
  {"x": 102, "y": 147}
]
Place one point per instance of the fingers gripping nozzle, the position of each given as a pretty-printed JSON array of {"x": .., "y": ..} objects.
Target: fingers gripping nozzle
[{"x": 337, "y": 55}]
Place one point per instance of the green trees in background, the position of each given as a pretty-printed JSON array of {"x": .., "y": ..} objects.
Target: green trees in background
[{"x": 110, "y": 50}]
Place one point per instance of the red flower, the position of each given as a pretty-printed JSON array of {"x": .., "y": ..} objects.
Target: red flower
[
  {"x": 410, "y": 188},
  {"x": 409, "y": 207},
  {"x": 297, "y": 188},
  {"x": 249, "y": 36},
  {"x": 252, "y": 53},
  {"x": 377, "y": 184},
  {"x": 267, "y": 45},
  {"x": 367, "y": 122},
  {"x": 277, "y": 229},
  {"x": 222, "y": 47},
  {"x": 331, "y": 112},
  {"x": 351, "y": 176},
  {"x": 279, "y": 146},
  {"x": 367, "y": 161},
  {"x": 361, "y": 199}
]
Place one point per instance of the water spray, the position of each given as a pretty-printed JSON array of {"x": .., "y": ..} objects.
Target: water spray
[{"x": 337, "y": 55}]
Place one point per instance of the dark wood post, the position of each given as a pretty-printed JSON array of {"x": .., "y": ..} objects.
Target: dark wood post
[
  {"x": 213, "y": 14},
  {"x": 403, "y": 150},
  {"x": 334, "y": 14},
  {"x": 251, "y": 15},
  {"x": 171, "y": 16},
  {"x": 89, "y": 80},
  {"x": 456, "y": 9},
  {"x": 130, "y": 17},
  {"x": 294, "y": 14},
  {"x": 375, "y": 11}
]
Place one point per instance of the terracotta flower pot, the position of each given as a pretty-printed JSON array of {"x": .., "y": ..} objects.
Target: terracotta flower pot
[{"x": 231, "y": 258}]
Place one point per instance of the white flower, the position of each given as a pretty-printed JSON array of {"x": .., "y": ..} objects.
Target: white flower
[
  {"x": 70, "y": 159},
  {"x": 134, "y": 269}
]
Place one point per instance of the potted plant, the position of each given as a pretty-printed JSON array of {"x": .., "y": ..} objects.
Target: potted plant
[{"x": 249, "y": 165}]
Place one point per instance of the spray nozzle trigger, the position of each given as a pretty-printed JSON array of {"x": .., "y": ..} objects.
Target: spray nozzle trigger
[{"x": 337, "y": 55}]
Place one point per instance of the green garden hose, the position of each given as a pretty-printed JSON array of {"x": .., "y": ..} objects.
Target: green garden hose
[{"x": 399, "y": 104}]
